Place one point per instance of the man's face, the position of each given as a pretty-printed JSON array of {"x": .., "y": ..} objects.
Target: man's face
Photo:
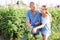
[{"x": 32, "y": 6}]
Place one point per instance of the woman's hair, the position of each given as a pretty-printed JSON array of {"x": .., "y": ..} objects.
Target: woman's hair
[
  {"x": 44, "y": 6},
  {"x": 46, "y": 9}
]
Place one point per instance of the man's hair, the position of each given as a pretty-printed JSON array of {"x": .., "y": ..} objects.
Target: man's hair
[{"x": 31, "y": 3}]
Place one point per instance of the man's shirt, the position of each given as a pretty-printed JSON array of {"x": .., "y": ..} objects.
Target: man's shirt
[{"x": 36, "y": 17}]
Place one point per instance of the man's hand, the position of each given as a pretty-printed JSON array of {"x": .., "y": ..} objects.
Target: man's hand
[
  {"x": 37, "y": 23},
  {"x": 33, "y": 24},
  {"x": 28, "y": 22}
]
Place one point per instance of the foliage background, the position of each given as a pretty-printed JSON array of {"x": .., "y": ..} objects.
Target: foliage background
[{"x": 13, "y": 24}]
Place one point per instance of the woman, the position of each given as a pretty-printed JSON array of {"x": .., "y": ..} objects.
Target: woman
[{"x": 46, "y": 23}]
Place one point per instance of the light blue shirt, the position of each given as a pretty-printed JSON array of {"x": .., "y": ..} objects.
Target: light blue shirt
[{"x": 46, "y": 29}]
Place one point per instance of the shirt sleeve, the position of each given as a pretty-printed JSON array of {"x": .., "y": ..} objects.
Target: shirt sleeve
[
  {"x": 27, "y": 15},
  {"x": 39, "y": 16}
]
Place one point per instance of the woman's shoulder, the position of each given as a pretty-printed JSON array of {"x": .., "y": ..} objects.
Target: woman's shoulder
[{"x": 45, "y": 18}]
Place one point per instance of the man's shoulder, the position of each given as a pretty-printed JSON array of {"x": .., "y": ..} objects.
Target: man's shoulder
[
  {"x": 37, "y": 10},
  {"x": 28, "y": 10}
]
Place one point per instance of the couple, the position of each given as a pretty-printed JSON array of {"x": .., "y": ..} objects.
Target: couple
[{"x": 40, "y": 21}]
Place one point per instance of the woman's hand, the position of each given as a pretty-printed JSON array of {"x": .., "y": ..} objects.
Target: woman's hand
[{"x": 34, "y": 30}]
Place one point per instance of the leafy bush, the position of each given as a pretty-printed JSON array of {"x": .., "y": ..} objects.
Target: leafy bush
[
  {"x": 13, "y": 24},
  {"x": 55, "y": 23},
  {"x": 10, "y": 23}
]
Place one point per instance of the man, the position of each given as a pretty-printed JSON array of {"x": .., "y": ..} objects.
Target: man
[{"x": 33, "y": 17}]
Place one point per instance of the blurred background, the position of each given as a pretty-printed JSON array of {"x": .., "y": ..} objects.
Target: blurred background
[
  {"x": 16, "y": 3},
  {"x": 13, "y": 19}
]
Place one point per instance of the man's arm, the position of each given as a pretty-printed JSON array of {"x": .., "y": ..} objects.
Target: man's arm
[
  {"x": 39, "y": 19},
  {"x": 27, "y": 18}
]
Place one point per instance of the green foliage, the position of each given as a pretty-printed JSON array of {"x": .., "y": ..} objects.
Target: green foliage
[
  {"x": 10, "y": 23},
  {"x": 13, "y": 24},
  {"x": 55, "y": 23},
  {"x": 55, "y": 19}
]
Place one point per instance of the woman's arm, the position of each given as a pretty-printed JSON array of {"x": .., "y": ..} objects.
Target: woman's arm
[
  {"x": 38, "y": 27},
  {"x": 41, "y": 26}
]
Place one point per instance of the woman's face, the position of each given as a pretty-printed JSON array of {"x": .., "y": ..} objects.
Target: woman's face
[{"x": 43, "y": 10}]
